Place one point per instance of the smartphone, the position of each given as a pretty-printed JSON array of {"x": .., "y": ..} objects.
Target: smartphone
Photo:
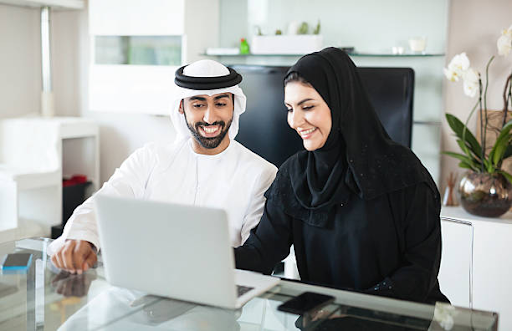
[
  {"x": 306, "y": 302},
  {"x": 17, "y": 261}
]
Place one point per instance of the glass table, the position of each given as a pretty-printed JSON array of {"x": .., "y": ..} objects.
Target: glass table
[{"x": 44, "y": 298}]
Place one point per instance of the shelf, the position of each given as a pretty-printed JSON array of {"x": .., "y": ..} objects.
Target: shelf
[
  {"x": 56, "y": 4},
  {"x": 407, "y": 55},
  {"x": 430, "y": 123}
]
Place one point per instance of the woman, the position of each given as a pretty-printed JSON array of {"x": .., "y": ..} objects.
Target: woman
[{"x": 361, "y": 210}]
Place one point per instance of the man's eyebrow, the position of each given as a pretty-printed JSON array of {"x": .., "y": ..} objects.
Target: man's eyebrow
[
  {"x": 197, "y": 98},
  {"x": 221, "y": 96}
]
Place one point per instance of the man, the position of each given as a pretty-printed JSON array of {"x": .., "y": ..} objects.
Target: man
[{"x": 205, "y": 166}]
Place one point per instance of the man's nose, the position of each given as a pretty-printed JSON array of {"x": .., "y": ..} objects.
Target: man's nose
[{"x": 209, "y": 115}]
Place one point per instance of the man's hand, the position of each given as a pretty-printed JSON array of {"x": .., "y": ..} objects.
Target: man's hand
[{"x": 75, "y": 256}]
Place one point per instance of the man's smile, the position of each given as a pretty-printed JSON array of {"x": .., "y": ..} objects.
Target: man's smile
[{"x": 210, "y": 131}]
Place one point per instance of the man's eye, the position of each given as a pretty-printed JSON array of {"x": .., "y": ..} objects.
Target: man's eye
[
  {"x": 198, "y": 105},
  {"x": 220, "y": 104}
]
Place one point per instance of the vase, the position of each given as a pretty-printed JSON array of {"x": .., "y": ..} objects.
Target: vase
[{"x": 483, "y": 194}]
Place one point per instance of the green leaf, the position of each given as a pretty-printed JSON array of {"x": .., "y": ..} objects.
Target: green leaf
[
  {"x": 458, "y": 127},
  {"x": 501, "y": 144},
  {"x": 463, "y": 164},
  {"x": 507, "y": 175},
  {"x": 489, "y": 167},
  {"x": 499, "y": 149},
  {"x": 467, "y": 150},
  {"x": 464, "y": 158},
  {"x": 508, "y": 152}
]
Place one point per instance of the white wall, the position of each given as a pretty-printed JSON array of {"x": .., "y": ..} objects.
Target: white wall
[
  {"x": 20, "y": 58},
  {"x": 371, "y": 26},
  {"x": 120, "y": 134},
  {"x": 473, "y": 27}
]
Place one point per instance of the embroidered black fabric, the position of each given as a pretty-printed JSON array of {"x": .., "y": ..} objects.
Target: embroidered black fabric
[{"x": 369, "y": 162}]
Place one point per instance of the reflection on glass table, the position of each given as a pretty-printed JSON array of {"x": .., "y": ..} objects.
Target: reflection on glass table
[{"x": 45, "y": 298}]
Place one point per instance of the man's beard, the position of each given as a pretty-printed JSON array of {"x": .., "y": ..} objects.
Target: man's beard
[{"x": 209, "y": 143}]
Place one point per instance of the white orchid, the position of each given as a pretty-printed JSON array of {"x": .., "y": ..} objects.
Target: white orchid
[
  {"x": 505, "y": 42},
  {"x": 472, "y": 157},
  {"x": 458, "y": 65},
  {"x": 471, "y": 79}
]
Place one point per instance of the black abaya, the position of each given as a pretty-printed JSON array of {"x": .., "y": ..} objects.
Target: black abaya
[
  {"x": 389, "y": 245},
  {"x": 368, "y": 221}
]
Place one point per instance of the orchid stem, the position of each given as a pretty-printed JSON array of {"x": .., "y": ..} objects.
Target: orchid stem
[
  {"x": 506, "y": 99},
  {"x": 481, "y": 121},
  {"x": 485, "y": 107}
]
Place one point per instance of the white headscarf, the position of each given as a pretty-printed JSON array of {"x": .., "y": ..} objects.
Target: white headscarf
[{"x": 205, "y": 68}]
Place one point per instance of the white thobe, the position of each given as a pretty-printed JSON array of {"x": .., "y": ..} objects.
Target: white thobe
[{"x": 234, "y": 180}]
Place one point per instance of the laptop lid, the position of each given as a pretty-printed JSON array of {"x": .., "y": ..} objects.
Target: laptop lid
[{"x": 172, "y": 250}]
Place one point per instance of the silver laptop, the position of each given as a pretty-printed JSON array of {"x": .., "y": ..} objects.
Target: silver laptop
[{"x": 178, "y": 251}]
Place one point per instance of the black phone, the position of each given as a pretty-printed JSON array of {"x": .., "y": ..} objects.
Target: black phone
[
  {"x": 306, "y": 302},
  {"x": 17, "y": 261}
]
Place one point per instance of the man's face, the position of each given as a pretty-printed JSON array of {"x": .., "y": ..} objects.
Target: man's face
[{"x": 208, "y": 119}]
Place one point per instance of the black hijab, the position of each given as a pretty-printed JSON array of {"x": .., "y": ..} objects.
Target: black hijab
[{"x": 358, "y": 155}]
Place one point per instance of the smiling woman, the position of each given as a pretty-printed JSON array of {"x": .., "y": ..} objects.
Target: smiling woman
[
  {"x": 308, "y": 113},
  {"x": 361, "y": 210}
]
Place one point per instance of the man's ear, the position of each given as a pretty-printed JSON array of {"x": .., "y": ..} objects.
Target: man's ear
[{"x": 181, "y": 107}]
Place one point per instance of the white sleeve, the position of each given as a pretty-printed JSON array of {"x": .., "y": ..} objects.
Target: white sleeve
[
  {"x": 129, "y": 180},
  {"x": 257, "y": 203}
]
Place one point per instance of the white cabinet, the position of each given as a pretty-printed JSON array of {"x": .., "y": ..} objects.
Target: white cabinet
[
  {"x": 491, "y": 265},
  {"x": 137, "y": 45},
  {"x": 35, "y": 154}
]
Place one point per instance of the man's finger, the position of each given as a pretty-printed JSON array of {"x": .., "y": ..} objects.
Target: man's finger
[
  {"x": 67, "y": 255},
  {"x": 90, "y": 260},
  {"x": 56, "y": 260},
  {"x": 81, "y": 251}
]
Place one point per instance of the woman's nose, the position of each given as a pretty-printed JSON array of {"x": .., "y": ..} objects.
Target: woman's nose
[{"x": 296, "y": 119}]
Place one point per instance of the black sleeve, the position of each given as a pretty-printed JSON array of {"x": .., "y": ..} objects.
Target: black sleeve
[
  {"x": 269, "y": 242},
  {"x": 416, "y": 212}
]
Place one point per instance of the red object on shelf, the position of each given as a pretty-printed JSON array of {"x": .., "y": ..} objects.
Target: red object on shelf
[{"x": 75, "y": 179}]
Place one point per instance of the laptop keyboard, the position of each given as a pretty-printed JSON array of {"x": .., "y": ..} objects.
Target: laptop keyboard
[{"x": 243, "y": 289}]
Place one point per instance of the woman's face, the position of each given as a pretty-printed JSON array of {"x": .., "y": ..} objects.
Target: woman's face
[{"x": 308, "y": 114}]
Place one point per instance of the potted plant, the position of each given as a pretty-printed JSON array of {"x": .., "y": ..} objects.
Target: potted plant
[{"x": 486, "y": 188}]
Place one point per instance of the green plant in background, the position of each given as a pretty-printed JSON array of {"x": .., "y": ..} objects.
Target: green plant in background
[
  {"x": 279, "y": 32},
  {"x": 473, "y": 158},
  {"x": 304, "y": 28},
  {"x": 317, "y": 28},
  {"x": 474, "y": 155}
]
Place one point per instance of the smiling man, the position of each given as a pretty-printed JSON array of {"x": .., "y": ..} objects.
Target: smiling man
[{"x": 205, "y": 166}]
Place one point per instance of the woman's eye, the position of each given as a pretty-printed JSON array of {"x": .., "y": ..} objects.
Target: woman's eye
[
  {"x": 308, "y": 107},
  {"x": 289, "y": 109}
]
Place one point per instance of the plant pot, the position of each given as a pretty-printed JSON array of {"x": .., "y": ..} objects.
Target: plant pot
[{"x": 483, "y": 194}]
